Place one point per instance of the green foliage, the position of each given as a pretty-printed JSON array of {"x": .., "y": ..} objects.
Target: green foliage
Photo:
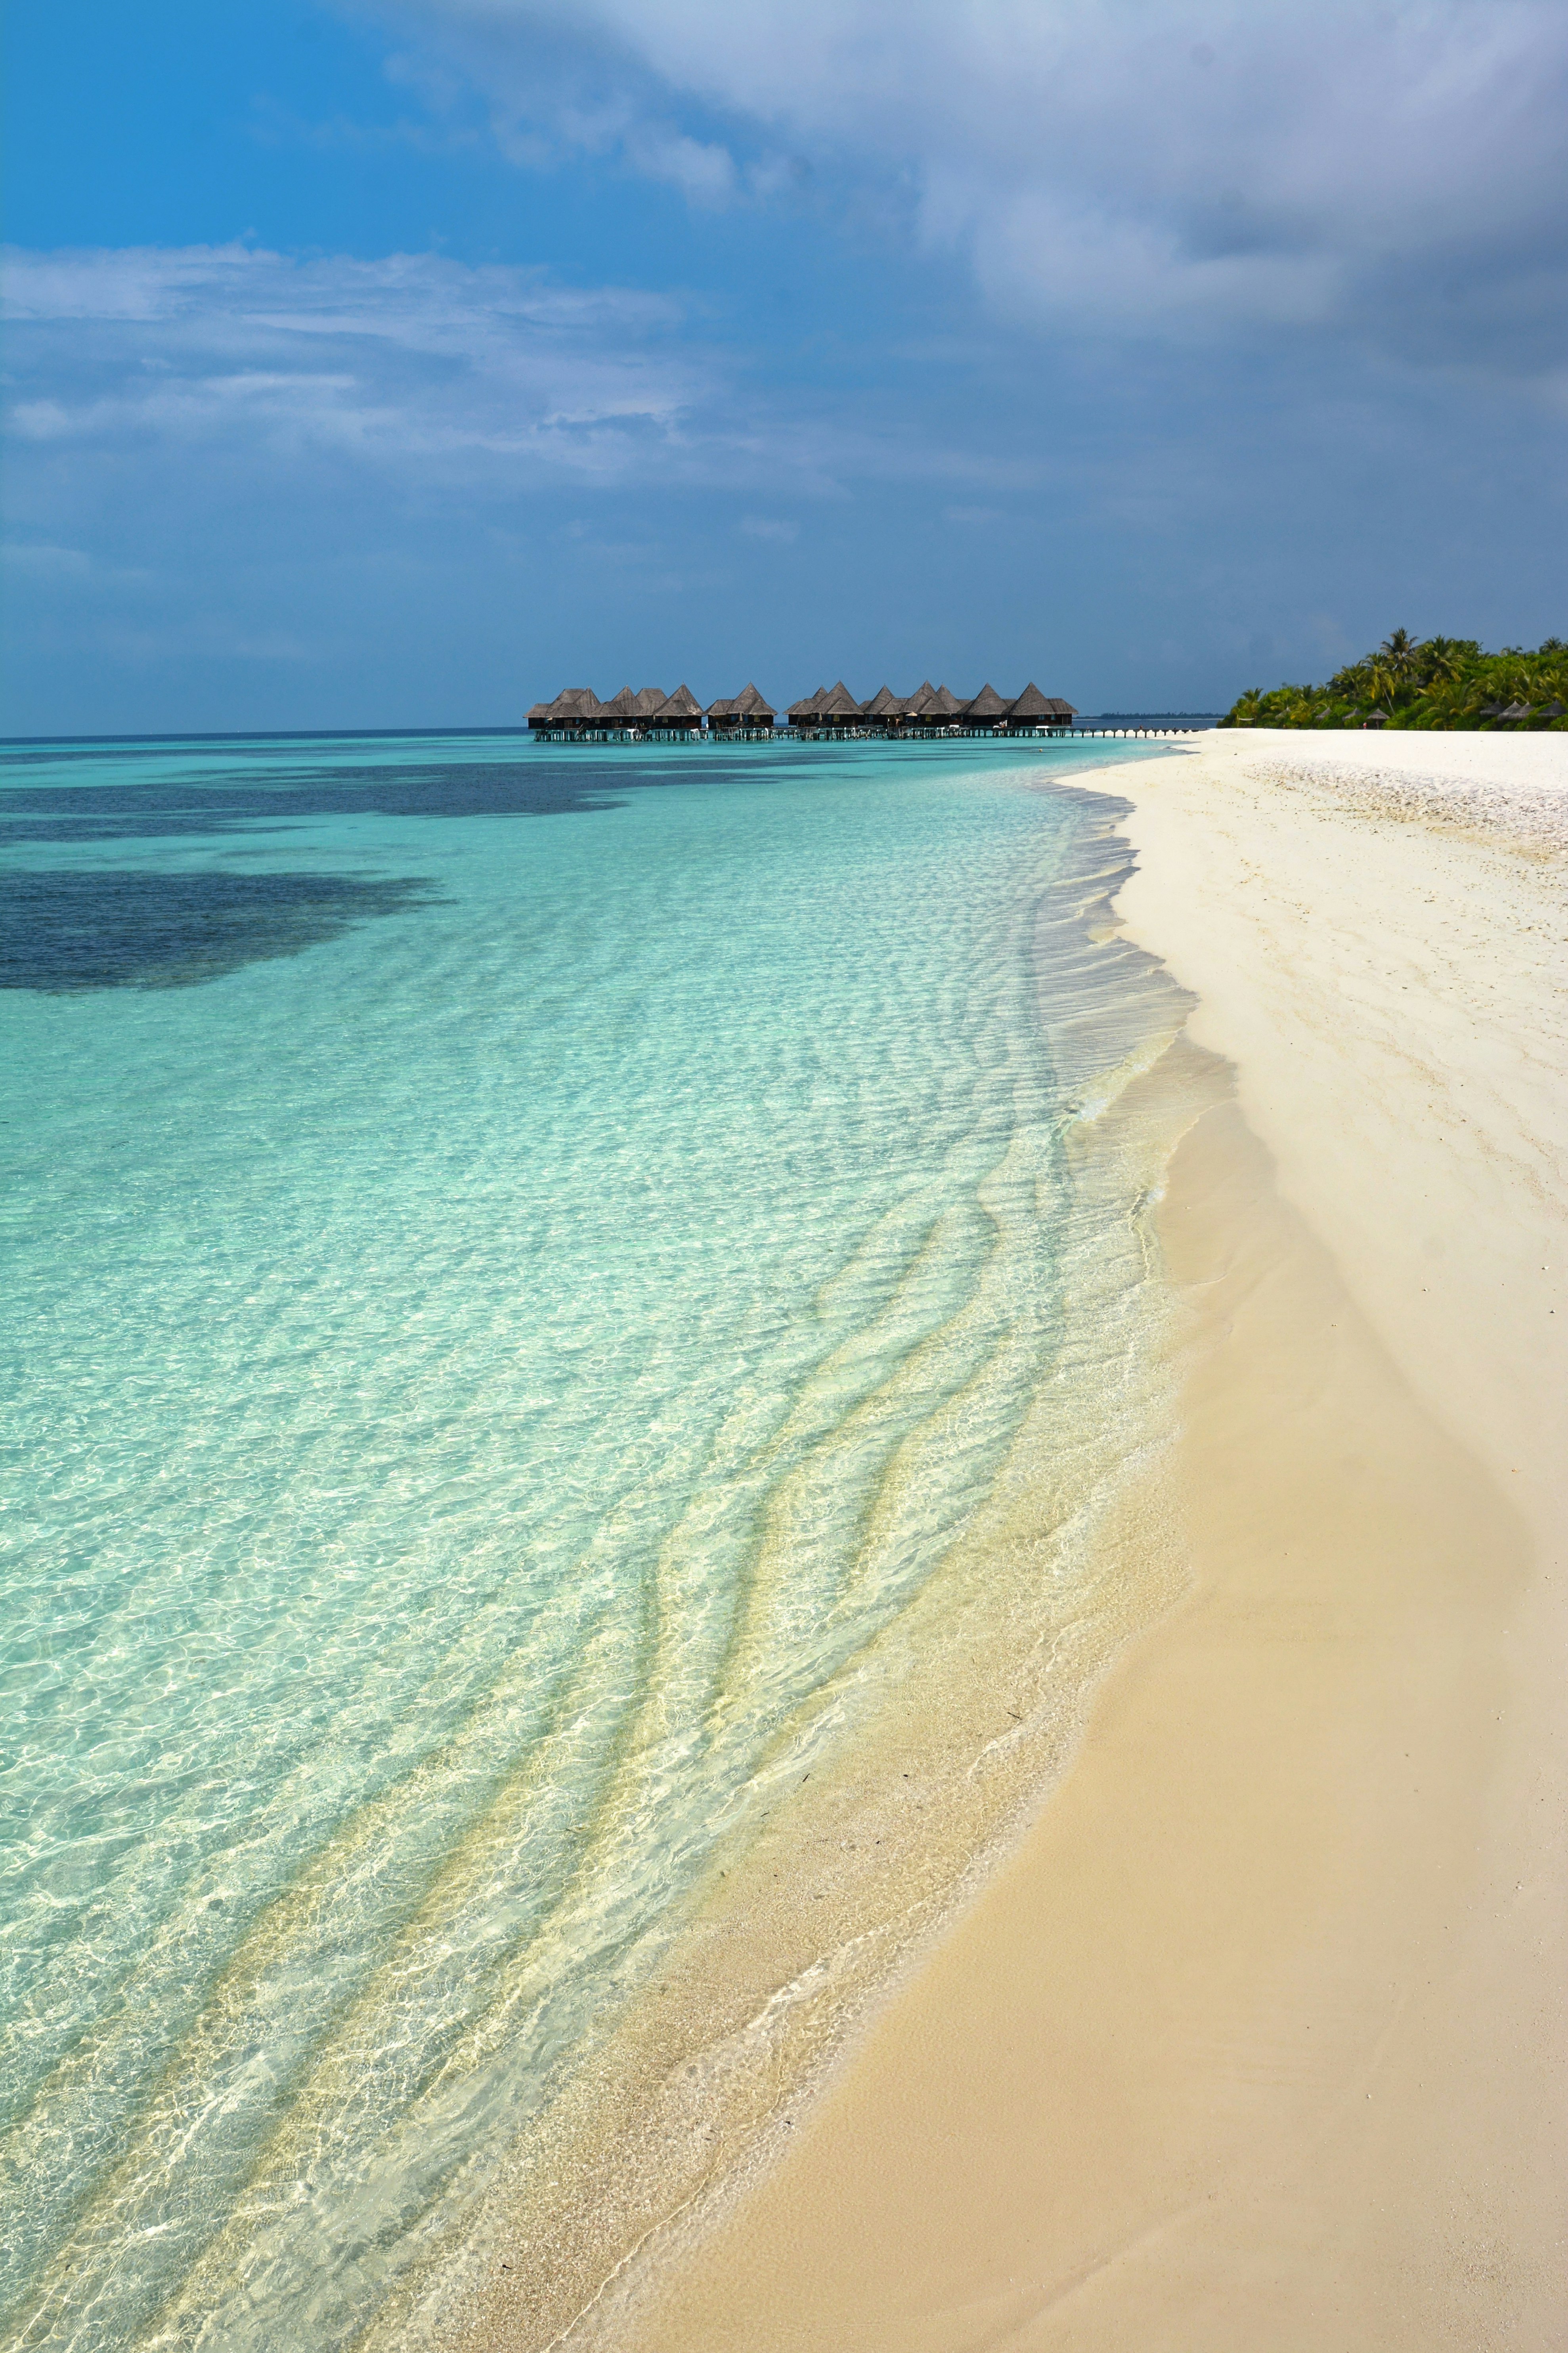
[{"x": 1427, "y": 682}]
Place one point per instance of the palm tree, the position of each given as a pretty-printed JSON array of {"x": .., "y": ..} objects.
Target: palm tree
[
  {"x": 1445, "y": 659},
  {"x": 1437, "y": 682}
]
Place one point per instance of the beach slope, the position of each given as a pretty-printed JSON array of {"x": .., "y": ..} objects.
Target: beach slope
[{"x": 1257, "y": 2038}]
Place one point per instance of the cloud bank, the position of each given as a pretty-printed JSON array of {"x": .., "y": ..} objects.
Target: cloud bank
[
  {"x": 479, "y": 376},
  {"x": 1156, "y": 345},
  {"x": 387, "y": 470},
  {"x": 1394, "y": 172}
]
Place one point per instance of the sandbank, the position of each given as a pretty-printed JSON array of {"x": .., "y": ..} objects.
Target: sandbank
[{"x": 1257, "y": 2038}]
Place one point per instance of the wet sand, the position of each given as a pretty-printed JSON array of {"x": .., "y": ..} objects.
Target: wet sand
[{"x": 1257, "y": 2038}]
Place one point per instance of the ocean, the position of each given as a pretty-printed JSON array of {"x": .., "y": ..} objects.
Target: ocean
[{"x": 553, "y": 1300}]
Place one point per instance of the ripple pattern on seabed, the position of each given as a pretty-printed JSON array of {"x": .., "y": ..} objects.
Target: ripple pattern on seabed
[{"x": 484, "y": 1380}]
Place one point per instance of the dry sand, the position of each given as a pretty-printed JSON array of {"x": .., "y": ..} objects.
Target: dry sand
[{"x": 1257, "y": 2041}]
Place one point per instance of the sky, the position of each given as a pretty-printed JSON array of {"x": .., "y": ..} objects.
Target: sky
[{"x": 396, "y": 362}]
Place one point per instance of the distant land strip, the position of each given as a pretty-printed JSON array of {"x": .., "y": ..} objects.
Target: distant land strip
[{"x": 1427, "y": 682}]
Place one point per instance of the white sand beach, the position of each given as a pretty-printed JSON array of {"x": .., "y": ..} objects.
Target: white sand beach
[{"x": 1257, "y": 2041}]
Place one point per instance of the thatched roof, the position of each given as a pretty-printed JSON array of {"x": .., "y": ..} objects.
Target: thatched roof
[
  {"x": 1032, "y": 704},
  {"x": 747, "y": 704},
  {"x": 580, "y": 706},
  {"x": 573, "y": 702}
]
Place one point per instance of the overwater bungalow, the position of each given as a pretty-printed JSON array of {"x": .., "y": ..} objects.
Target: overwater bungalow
[
  {"x": 679, "y": 713},
  {"x": 833, "y": 711},
  {"x": 939, "y": 713},
  {"x": 987, "y": 714},
  {"x": 577, "y": 715},
  {"x": 1034, "y": 710},
  {"x": 839, "y": 712},
  {"x": 929, "y": 711},
  {"x": 575, "y": 712},
  {"x": 744, "y": 716}
]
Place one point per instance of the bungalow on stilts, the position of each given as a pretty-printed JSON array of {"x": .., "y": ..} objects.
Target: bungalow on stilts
[
  {"x": 832, "y": 714},
  {"x": 742, "y": 717}
]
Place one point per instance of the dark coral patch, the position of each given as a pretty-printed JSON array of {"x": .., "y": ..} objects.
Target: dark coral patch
[{"x": 65, "y": 931}]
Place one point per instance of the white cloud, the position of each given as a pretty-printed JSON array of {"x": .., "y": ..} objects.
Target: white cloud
[
  {"x": 409, "y": 356},
  {"x": 1172, "y": 167},
  {"x": 767, "y": 527},
  {"x": 704, "y": 172},
  {"x": 440, "y": 374}
]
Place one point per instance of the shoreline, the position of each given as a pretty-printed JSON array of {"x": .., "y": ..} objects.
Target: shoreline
[
  {"x": 867, "y": 1833},
  {"x": 1324, "y": 1801}
]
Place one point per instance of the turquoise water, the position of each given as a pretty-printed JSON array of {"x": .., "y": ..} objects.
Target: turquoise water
[{"x": 517, "y": 1268}]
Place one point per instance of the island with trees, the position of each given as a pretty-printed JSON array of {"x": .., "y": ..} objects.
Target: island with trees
[{"x": 1424, "y": 682}]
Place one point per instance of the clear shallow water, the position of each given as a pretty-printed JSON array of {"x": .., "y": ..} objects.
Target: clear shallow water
[{"x": 504, "y": 1315}]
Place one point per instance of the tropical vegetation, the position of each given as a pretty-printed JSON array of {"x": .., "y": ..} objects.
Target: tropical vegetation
[{"x": 1424, "y": 682}]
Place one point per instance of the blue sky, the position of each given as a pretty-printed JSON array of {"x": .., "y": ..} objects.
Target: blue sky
[{"x": 393, "y": 364}]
